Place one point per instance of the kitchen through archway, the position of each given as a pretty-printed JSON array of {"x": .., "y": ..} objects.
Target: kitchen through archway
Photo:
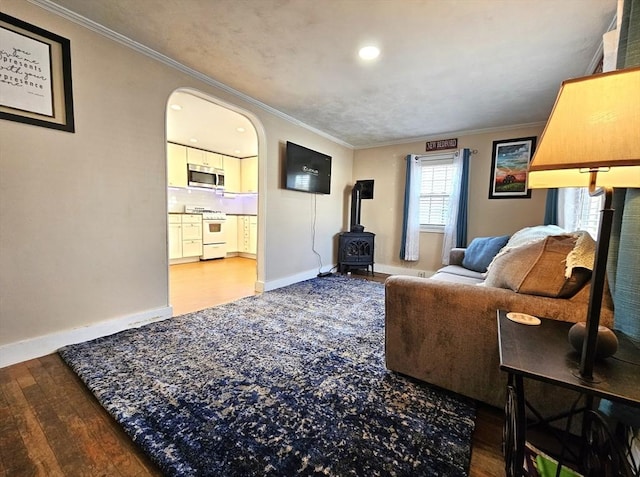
[{"x": 212, "y": 202}]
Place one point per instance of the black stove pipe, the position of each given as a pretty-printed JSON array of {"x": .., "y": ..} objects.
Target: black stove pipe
[{"x": 356, "y": 207}]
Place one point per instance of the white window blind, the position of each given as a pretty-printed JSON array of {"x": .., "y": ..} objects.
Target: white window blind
[
  {"x": 580, "y": 211},
  {"x": 588, "y": 212},
  {"x": 435, "y": 189}
]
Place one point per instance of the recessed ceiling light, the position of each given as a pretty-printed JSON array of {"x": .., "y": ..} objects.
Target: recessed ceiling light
[
  {"x": 176, "y": 107},
  {"x": 193, "y": 139},
  {"x": 237, "y": 151},
  {"x": 240, "y": 129},
  {"x": 369, "y": 52}
]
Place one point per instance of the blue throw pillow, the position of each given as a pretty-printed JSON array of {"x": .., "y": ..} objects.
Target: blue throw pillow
[{"x": 481, "y": 251}]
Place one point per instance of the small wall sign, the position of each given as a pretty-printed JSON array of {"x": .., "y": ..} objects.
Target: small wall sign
[{"x": 442, "y": 144}]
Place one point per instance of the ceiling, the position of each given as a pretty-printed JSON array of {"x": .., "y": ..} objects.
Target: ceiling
[
  {"x": 205, "y": 125},
  {"x": 446, "y": 66}
]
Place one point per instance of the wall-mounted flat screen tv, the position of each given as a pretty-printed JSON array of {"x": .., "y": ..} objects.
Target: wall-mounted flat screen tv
[{"x": 307, "y": 170}]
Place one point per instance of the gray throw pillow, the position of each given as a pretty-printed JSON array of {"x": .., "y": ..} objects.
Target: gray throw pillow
[{"x": 481, "y": 251}]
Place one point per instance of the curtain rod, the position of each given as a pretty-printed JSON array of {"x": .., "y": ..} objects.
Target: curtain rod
[{"x": 471, "y": 151}]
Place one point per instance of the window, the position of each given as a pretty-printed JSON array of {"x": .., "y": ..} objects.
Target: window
[
  {"x": 435, "y": 189},
  {"x": 581, "y": 211}
]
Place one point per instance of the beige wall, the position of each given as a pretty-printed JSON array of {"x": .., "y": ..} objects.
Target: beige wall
[
  {"x": 383, "y": 214},
  {"x": 83, "y": 239},
  {"x": 83, "y": 216}
]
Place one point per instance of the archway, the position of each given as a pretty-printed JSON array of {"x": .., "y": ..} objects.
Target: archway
[{"x": 199, "y": 124}]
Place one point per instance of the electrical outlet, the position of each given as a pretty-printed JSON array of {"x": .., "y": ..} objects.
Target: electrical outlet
[{"x": 422, "y": 274}]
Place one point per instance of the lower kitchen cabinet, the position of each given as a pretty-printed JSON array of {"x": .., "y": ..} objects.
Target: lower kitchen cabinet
[
  {"x": 175, "y": 236},
  {"x": 253, "y": 234},
  {"x": 247, "y": 234},
  {"x": 231, "y": 234},
  {"x": 191, "y": 248},
  {"x": 185, "y": 236}
]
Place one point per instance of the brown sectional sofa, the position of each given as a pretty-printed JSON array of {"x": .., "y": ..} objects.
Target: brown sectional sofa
[{"x": 443, "y": 330}]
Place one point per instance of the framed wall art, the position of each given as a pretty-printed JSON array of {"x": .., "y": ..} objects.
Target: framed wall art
[
  {"x": 509, "y": 168},
  {"x": 35, "y": 76}
]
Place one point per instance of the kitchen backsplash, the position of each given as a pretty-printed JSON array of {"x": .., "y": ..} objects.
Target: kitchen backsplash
[{"x": 241, "y": 204}]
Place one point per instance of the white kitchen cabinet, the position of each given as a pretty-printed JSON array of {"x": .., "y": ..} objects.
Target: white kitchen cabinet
[
  {"x": 231, "y": 234},
  {"x": 232, "y": 177},
  {"x": 196, "y": 156},
  {"x": 213, "y": 159},
  {"x": 243, "y": 234},
  {"x": 176, "y": 165},
  {"x": 204, "y": 158},
  {"x": 191, "y": 228},
  {"x": 249, "y": 174},
  {"x": 247, "y": 235},
  {"x": 185, "y": 236},
  {"x": 175, "y": 236},
  {"x": 191, "y": 248},
  {"x": 253, "y": 234}
]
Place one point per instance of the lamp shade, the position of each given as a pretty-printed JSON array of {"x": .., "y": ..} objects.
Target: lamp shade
[{"x": 594, "y": 126}]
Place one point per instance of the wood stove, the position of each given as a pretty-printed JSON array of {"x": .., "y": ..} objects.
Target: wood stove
[{"x": 355, "y": 250}]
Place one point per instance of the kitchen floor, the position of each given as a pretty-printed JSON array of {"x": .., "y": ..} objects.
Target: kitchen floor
[{"x": 199, "y": 285}]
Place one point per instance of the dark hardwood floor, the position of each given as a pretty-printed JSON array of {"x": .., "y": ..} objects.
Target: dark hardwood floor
[{"x": 51, "y": 424}]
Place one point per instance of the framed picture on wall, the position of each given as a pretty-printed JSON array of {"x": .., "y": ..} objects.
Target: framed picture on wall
[
  {"x": 35, "y": 76},
  {"x": 509, "y": 168}
]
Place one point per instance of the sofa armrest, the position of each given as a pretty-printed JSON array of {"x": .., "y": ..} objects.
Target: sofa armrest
[{"x": 456, "y": 255}]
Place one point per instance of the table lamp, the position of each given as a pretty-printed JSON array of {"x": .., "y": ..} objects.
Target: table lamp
[{"x": 592, "y": 138}]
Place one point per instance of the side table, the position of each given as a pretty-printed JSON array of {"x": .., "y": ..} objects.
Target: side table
[{"x": 543, "y": 353}]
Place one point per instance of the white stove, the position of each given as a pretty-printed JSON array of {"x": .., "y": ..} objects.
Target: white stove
[
  {"x": 214, "y": 244},
  {"x": 207, "y": 214}
]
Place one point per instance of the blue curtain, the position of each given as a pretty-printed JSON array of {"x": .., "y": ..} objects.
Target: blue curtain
[
  {"x": 463, "y": 202},
  {"x": 551, "y": 208},
  {"x": 409, "y": 247}
]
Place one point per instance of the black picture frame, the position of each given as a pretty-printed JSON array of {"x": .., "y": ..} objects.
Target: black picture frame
[
  {"x": 35, "y": 76},
  {"x": 510, "y": 168}
]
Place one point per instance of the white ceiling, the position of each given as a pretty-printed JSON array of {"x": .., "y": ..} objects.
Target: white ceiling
[
  {"x": 446, "y": 65},
  {"x": 206, "y": 125}
]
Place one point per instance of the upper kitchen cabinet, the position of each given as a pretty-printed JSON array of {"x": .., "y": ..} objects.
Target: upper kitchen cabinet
[
  {"x": 213, "y": 159},
  {"x": 176, "y": 165},
  {"x": 204, "y": 158},
  {"x": 196, "y": 156},
  {"x": 249, "y": 174},
  {"x": 232, "y": 177}
]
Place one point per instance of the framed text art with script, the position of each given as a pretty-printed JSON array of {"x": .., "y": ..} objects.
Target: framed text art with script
[{"x": 35, "y": 76}]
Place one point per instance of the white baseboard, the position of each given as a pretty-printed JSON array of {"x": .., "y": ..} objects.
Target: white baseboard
[
  {"x": 298, "y": 277},
  {"x": 31, "y": 348},
  {"x": 20, "y": 351},
  {"x": 290, "y": 280},
  {"x": 414, "y": 272}
]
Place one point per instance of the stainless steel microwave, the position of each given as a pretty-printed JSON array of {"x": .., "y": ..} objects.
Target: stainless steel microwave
[{"x": 204, "y": 176}]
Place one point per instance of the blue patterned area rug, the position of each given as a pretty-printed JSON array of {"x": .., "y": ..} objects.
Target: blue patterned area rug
[{"x": 290, "y": 382}]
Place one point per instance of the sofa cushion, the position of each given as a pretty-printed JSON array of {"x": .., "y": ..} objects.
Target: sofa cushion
[
  {"x": 481, "y": 251},
  {"x": 538, "y": 268},
  {"x": 454, "y": 278},
  {"x": 458, "y": 274}
]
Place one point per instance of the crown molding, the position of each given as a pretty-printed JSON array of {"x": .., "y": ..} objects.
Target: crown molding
[
  {"x": 140, "y": 48},
  {"x": 597, "y": 56}
]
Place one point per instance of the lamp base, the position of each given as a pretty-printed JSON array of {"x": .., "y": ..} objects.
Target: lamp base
[
  {"x": 595, "y": 378},
  {"x": 606, "y": 343}
]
